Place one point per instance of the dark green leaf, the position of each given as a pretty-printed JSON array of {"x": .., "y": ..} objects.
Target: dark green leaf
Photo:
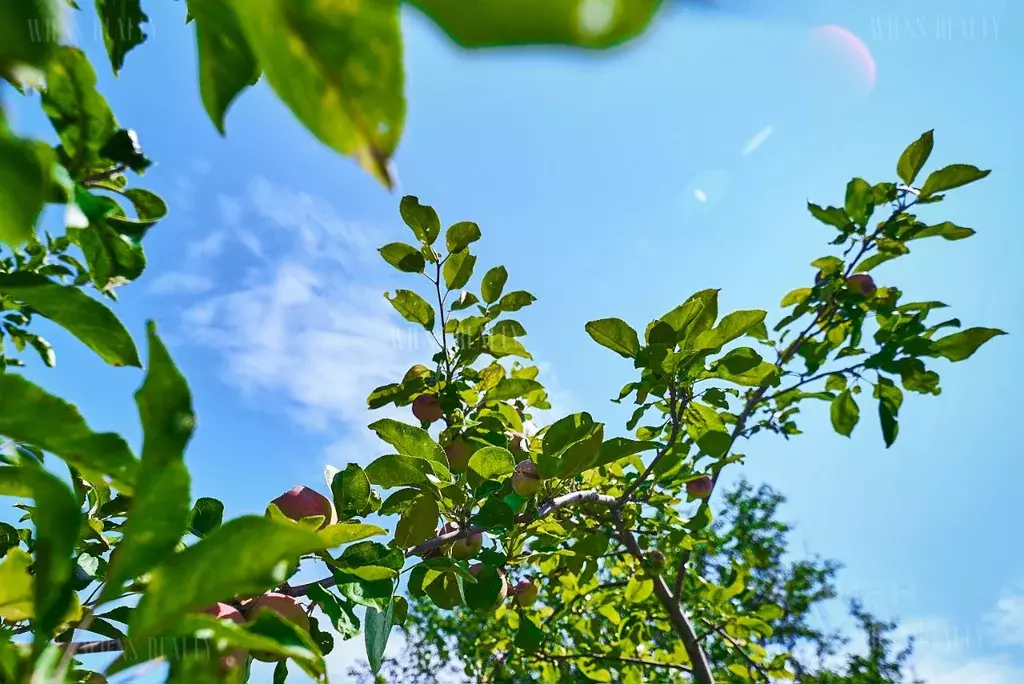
[
  {"x": 30, "y": 415},
  {"x": 962, "y": 345},
  {"x": 409, "y": 440},
  {"x": 946, "y": 229},
  {"x": 338, "y": 67},
  {"x": 350, "y": 489},
  {"x": 494, "y": 514},
  {"x": 529, "y": 636},
  {"x": 82, "y": 316},
  {"x": 845, "y": 413},
  {"x": 23, "y": 183},
  {"x": 123, "y": 147},
  {"x": 859, "y": 201},
  {"x": 615, "y": 334},
  {"x": 493, "y": 283},
  {"x": 914, "y": 157},
  {"x": 890, "y": 399},
  {"x": 739, "y": 361},
  {"x": 620, "y": 447},
  {"x": 404, "y": 257},
  {"x": 227, "y": 65},
  {"x": 418, "y": 523},
  {"x": 199, "y": 576},
  {"x": 341, "y": 616},
  {"x": 377, "y": 630},
  {"x": 832, "y": 216},
  {"x": 413, "y": 308},
  {"x": 114, "y": 259},
  {"x": 158, "y": 516},
  {"x": 952, "y": 176},
  {"x": 461, "y": 235},
  {"x": 464, "y": 301},
  {"x": 57, "y": 520},
  {"x": 512, "y": 388},
  {"x": 122, "y": 22},
  {"x": 481, "y": 23},
  {"x": 695, "y": 315},
  {"x": 508, "y": 328},
  {"x": 395, "y": 470},
  {"x": 207, "y": 515},
  {"x": 458, "y": 269},
  {"x": 514, "y": 301},
  {"x": 421, "y": 218},
  {"x": 26, "y": 35}
]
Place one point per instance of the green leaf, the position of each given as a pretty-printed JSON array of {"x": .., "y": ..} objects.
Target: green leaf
[
  {"x": 529, "y": 636},
  {"x": 890, "y": 399},
  {"x": 946, "y": 230},
  {"x": 395, "y": 470},
  {"x": 350, "y": 489},
  {"x": 227, "y": 65},
  {"x": 207, "y": 515},
  {"x": 122, "y": 22},
  {"x": 413, "y": 308},
  {"x": 16, "y": 586},
  {"x": 464, "y": 301},
  {"x": 481, "y": 23},
  {"x": 159, "y": 511},
  {"x": 461, "y": 235},
  {"x": 346, "y": 532},
  {"x": 701, "y": 519},
  {"x": 615, "y": 334},
  {"x": 963, "y": 344},
  {"x": 618, "y": 448},
  {"x": 338, "y": 67},
  {"x": 494, "y": 514},
  {"x": 832, "y": 216},
  {"x": 739, "y": 361},
  {"x": 844, "y": 413},
  {"x": 493, "y": 284},
  {"x": 404, "y": 257},
  {"x": 490, "y": 463},
  {"x": 114, "y": 259},
  {"x": 23, "y": 184},
  {"x": 31, "y": 416},
  {"x": 509, "y": 328},
  {"x": 377, "y": 630},
  {"x": 198, "y": 576},
  {"x": 859, "y": 201},
  {"x": 458, "y": 269},
  {"x": 731, "y": 327},
  {"x": 500, "y": 345},
  {"x": 81, "y": 116},
  {"x": 25, "y": 36},
  {"x": 512, "y": 388},
  {"x": 418, "y": 523},
  {"x": 952, "y": 176},
  {"x": 638, "y": 589},
  {"x": 421, "y": 218},
  {"x": 914, "y": 157},
  {"x": 835, "y": 383},
  {"x": 409, "y": 440},
  {"x": 57, "y": 520},
  {"x": 81, "y": 315},
  {"x": 514, "y": 301},
  {"x": 340, "y": 614},
  {"x": 695, "y": 315}
]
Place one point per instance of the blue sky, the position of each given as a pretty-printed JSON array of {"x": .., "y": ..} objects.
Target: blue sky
[{"x": 581, "y": 171}]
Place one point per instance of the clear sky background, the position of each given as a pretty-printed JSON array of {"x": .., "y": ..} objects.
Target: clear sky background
[{"x": 581, "y": 171}]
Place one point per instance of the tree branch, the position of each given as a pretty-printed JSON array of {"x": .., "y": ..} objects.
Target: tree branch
[
  {"x": 672, "y": 437},
  {"x": 611, "y": 658},
  {"x": 732, "y": 642}
]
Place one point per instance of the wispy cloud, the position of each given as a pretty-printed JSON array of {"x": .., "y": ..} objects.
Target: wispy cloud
[
  {"x": 1006, "y": 621},
  {"x": 176, "y": 282}
]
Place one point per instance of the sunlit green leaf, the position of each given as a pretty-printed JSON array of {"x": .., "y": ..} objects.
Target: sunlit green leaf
[
  {"x": 963, "y": 344},
  {"x": 403, "y": 257},
  {"x": 914, "y": 157},
  {"x": 845, "y": 413},
  {"x": 461, "y": 235},
  {"x": 458, "y": 269},
  {"x": 412, "y": 307},
  {"x": 615, "y": 334},
  {"x": 952, "y": 176},
  {"x": 493, "y": 284}
]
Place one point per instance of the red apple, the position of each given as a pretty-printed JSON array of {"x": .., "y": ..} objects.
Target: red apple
[
  {"x": 427, "y": 408},
  {"x": 525, "y": 479},
  {"x": 526, "y": 593},
  {"x": 861, "y": 283},
  {"x": 287, "y": 607},
  {"x": 458, "y": 453},
  {"x": 225, "y": 611},
  {"x": 302, "y": 502},
  {"x": 699, "y": 488}
]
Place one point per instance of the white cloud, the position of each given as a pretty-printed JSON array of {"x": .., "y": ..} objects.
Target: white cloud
[
  {"x": 207, "y": 248},
  {"x": 1006, "y": 620},
  {"x": 177, "y": 282},
  {"x": 230, "y": 210},
  {"x": 947, "y": 653}
]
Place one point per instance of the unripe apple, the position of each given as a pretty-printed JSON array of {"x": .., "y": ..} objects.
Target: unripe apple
[
  {"x": 467, "y": 547},
  {"x": 458, "y": 453},
  {"x": 526, "y": 593},
  {"x": 287, "y": 607},
  {"x": 525, "y": 479},
  {"x": 699, "y": 488},
  {"x": 302, "y": 502},
  {"x": 656, "y": 559},
  {"x": 861, "y": 283},
  {"x": 427, "y": 408},
  {"x": 225, "y": 611},
  {"x": 475, "y": 569}
]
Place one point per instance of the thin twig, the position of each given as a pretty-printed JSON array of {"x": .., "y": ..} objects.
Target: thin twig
[
  {"x": 753, "y": 663},
  {"x": 611, "y": 658}
]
